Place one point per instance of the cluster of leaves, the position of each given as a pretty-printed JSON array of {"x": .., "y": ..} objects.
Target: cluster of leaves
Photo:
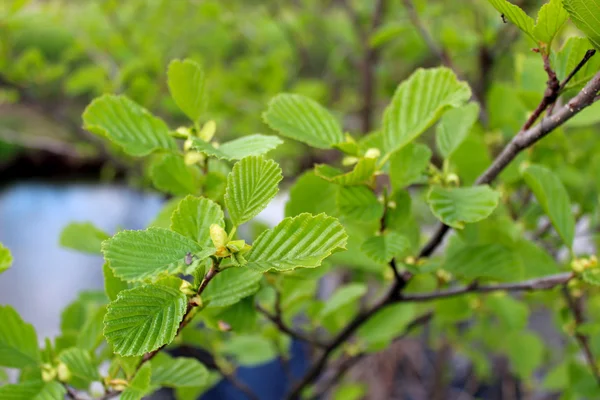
[{"x": 205, "y": 274}]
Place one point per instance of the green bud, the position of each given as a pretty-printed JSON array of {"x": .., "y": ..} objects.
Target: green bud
[
  {"x": 63, "y": 372},
  {"x": 236, "y": 245},
  {"x": 218, "y": 236},
  {"x": 187, "y": 288},
  {"x": 208, "y": 131},
  {"x": 48, "y": 372},
  {"x": 373, "y": 153},
  {"x": 193, "y": 157}
]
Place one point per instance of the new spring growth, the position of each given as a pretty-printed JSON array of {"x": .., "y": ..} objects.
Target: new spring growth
[
  {"x": 226, "y": 247},
  {"x": 579, "y": 265}
]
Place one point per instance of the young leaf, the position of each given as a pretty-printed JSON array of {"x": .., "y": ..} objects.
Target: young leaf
[
  {"x": 303, "y": 241},
  {"x": 303, "y": 119},
  {"x": 170, "y": 174},
  {"x": 5, "y": 258},
  {"x": 551, "y": 18},
  {"x": 147, "y": 254},
  {"x": 492, "y": 261},
  {"x": 359, "y": 203},
  {"x": 454, "y": 126},
  {"x": 230, "y": 286},
  {"x": 385, "y": 247},
  {"x": 127, "y": 124},
  {"x": 341, "y": 297},
  {"x": 592, "y": 276},
  {"x": 584, "y": 14},
  {"x": 83, "y": 236},
  {"x": 18, "y": 341},
  {"x": 178, "y": 372},
  {"x": 554, "y": 199},
  {"x": 515, "y": 15},
  {"x": 251, "y": 185},
  {"x": 187, "y": 83},
  {"x": 143, "y": 319},
  {"x": 112, "y": 284},
  {"x": 457, "y": 206},
  {"x": 418, "y": 102},
  {"x": 33, "y": 390},
  {"x": 193, "y": 217},
  {"x": 386, "y": 324},
  {"x": 407, "y": 165},
  {"x": 139, "y": 385},
  {"x": 361, "y": 174},
  {"x": 525, "y": 352},
  {"x": 246, "y": 146},
  {"x": 80, "y": 365}
]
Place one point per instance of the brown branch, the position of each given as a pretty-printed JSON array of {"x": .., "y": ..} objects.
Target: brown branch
[
  {"x": 522, "y": 141},
  {"x": 278, "y": 321},
  {"x": 576, "y": 308},
  {"x": 241, "y": 386}
]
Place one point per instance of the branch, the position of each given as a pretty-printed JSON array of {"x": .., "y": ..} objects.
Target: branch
[
  {"x": 278, "y": 321},
  {"x": 576, "y": 308},
  {"x": 589, "y": 54},
  {"x": 241, "y": 386},
  {"x": 522, "y": 141}
]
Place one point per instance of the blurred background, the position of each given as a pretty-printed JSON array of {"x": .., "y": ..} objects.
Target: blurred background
[{"x": 57, "y": 55}]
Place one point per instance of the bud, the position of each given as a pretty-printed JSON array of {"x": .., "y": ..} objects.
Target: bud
[
  {"x": 223, "y": 326},
  {"x": 349, "y": 160},
  {"x": 236, "y": 245},
  {"x": 193, "y": 157},
  {"x": 452, "y": 179},
  {"x": 187, "y": 288},
  {"x": 48, "y": 372},
  {"x": 197, "y": 301},
  {"x": 63, "y": 372},
  {"x": 373, "y": 153},
  {"x": 218, "y": 236},
  {"x": 443, "y": 275},
  {"x": 208, "y": 131},
  {"x": 577, "y": 266},
  {"x": 182, "y": 132},
  {"x": 188, "y": 144}
]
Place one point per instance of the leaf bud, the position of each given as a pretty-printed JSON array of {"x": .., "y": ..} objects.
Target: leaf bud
[
  {"x": 187, "y": 288},
  {"x": 63, "y": 372},
  {"x": 219, "y": 238},
  {"x": 48, "y": 372},
  {"x": 373, "y": 153},
  {"x": 208, "y": 131}
]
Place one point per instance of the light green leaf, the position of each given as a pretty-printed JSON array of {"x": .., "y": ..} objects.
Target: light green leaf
[
  {"x": 112, "y": 284},
  {"x": 454, "y": 127},
  {"x": 251, "y": 185},
  {"x": 5, "y": 258},
  {"x": 418, "y": 102},
  {"x": 525, "y": 352},
  {"x": 246, "y": 146},
  {"x": 90, "y": 335},
  {"x": 194, "y": 216},
  {"x": 361, "y": 174},
  {"x": 585, "y": 14},
  {"x": 554, "y": 199},
  {"x": 187, "y": 83},
  {"x": 18, "y": 341},
  {"x": 303, "y": 119},
  {"x": 313, "y": 195},
  {"x": 150, "y": 253},
  {"x": 230, "y": 286},
  {"x": 127, "y": 124},
  {"x": 302, "y": 241},
  {"x": 592, "y": 276},
  {"x": 178, "y": 372},
  {"x": 80, "y": 364},
  {"x": 457, "y": 206},
  {"x": 342, "y": 297},
  {"x": 83, "y": 236},
  {"x": 359, "y": 203},
  {"x": 385, "y": 247},
  {"x": 551, "y": 18},
  {"x": 139, "y": 385},
  {"x": 408, "y": 165},
  {"x": 386, "y": 324},
  {"x": 515, "y": 15},
  {"x": 143, "y": 319},
  {"x": 492, "y": 261},
  {"x": 33, "y": 390},
  {"x": 349, "y": 391},
  {"x": 170, "y": 174},
  {"x": 250, "y": 350}
]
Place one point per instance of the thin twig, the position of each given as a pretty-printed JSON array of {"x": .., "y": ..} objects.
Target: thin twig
[
  {"x": 278, "y": 321},
  {"x": 576, "y": 308},
  {"x": 241, "y": 386},
  {"x": 589, "y": 54}
]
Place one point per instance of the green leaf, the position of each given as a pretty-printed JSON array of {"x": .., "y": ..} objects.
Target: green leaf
[
  {"x": 80, "y": 364},
  {"x": 551, "y": 18},
  {"x": 569, "y": 56},
  {"x": 385, "y": 247},
  {"x": 246, "y": 146},
  {"x": 178, "y": 372},
  {"x": 592, "y": 276},
  {"x": 457, "y": 206},
  {"x": 359, "y": 203},
  {"x": 187, "y": 83},
  {"x": 554, "y": 199},
  {"x": 361, "y": 174},
  {"x": 492, "y": 261},
  {"x": 143, "y": 319},
  {"x": 302, "y": 241},
  {"x": 193, "y": 217},
  {"x": 300, "y": 118},
  {"x": 251, "y": 185},
  {"x": 127, "y": 124},
  {"x": 525, "y": 352},
  {"x": 418, "y": 102},
  {"x": 18, "y": 341},
  {"x": 150, "y": 253},
  {"x": 454, "y": 127},
  {"x": 139, "y": 385},
  {"x": 349, "y": 391},
  {"x": 407, "y": 165},
  {"x": 515, "y": 15},
  {"x": 90, "y": 335},
  {"x": 33, "y": 390},
  {"x": 112, "y": 284},
  {"x": 230, "y": 286},
  {"x": 343, "y": 296},
  {"x": 170, "y": 174},
  {"x": 250, "y": 350},
  {"x": 5, "y": 258},
  {"x": 83, "y": 236},
  {"x": 584, "y": 14},
  {"x": 313, "y": 195},
  {"x": 387, "y": 324}
]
